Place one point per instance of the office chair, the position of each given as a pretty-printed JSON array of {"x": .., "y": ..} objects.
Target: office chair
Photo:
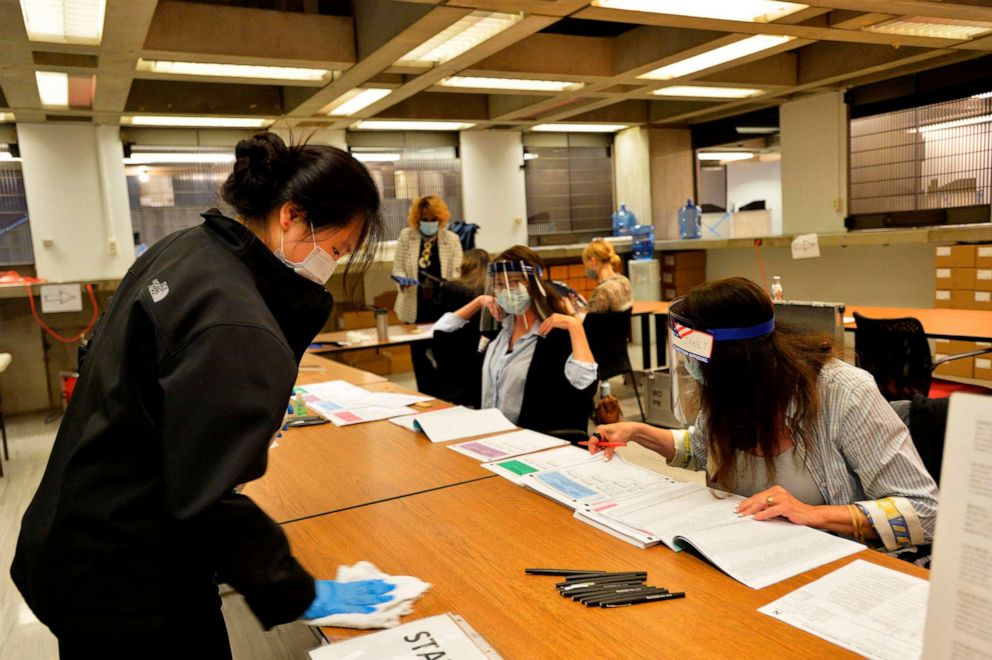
[
  {"x": 926, "y": 420},
  {"x": 896, "y": 352},
  {"x": 607, "y": 335},
  {"x": 459, "y": 365}
]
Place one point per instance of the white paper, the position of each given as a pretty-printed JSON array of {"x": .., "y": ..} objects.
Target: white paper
[
  {"x": 464, "y": 424},
  {"x": 360, "y": 415},
  {"x": 497, "y": 447},
  {"x": 806, "y": 246},
  {"x": 424, "y": 332},
  {"x": 943, "y": 273},
  {"x": 592, "y": 481},
  {"x": 960, "y": 612},
  {"x": 869, "y": 609},
  {"x": 983, "y": 296},
  {"x": 61, "y": 298},
  {"x": 515, "y": 469},
  {"x": 343, "y": 403},
  {"x": 983, "y": 274},
  {"x": 943, "y": 295},
  {"x": 431, "y": 637},
  {"x": 409, "y": 421},
  {"x": 849, "y": 319}
]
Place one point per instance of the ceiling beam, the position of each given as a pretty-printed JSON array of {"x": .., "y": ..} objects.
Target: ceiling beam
[{"x": 124, "y": 28}]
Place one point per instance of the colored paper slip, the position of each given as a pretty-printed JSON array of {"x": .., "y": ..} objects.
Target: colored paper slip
[
  {"x": 515, "y": 468},
  {"x": 360, "y": 415},
  {"x": 507, "y": 445}
]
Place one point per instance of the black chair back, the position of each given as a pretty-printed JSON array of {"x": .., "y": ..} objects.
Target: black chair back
[
  {"x": 896, "y": 353},
  {"x": 607, "y": 335},
  {"x": 459, "y": 365}
]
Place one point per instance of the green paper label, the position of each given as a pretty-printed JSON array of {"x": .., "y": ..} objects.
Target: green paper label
[{"x": 517, "y": 467}]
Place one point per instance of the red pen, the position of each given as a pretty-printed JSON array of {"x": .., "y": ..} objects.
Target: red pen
[{"x": 596, "y": 443}]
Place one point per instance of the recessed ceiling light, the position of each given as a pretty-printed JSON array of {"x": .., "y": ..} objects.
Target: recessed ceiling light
[
  {"x": 7, "y": 156},
  {"x": 940, "y": 28},
  {"x": 579, "y": 128},
  {"x": 403, "y": 125},
  {"x": 692, "y": 91},
  {"x": 233, "y": 70},
  {"x": 720, "y": 55},
  {"x": 724, "y": 155},
  {"x": 531, "y": 156},
  {"x": 154, "y": 158},
  {"x": 367, "y": 157},
  {"x": 752, "y": 11},
  {"x": 523, "y": 84},
  {"x": 64, "y": 21},
  {"x": 757, "y": 130},
  {"x": 463, "y": 35},
  {"x": 53, "y": 88},
  {"x": 955, "y": 123},
  {"x": 189, "y": 121},
  {"x": 5, "y": 117},
  {"x": 356, "y": 99}
]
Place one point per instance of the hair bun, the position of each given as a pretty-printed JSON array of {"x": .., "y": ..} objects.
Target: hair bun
[{"x": 261, "y": 168}]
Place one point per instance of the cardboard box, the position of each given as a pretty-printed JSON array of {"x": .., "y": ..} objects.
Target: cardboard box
[
  {"x": 576, "y": 270},
  {"x": 363, "y": 320},
  {"x": 677, "y": 278},
  {"x": 956, "y": 256},
  {"x": 983, "y": 367},
  {"x": 673, "y": 292},
  {"x": 946, "y": 299},
  {"x": 558, "y": 273},
  {"x": 963, "y": 368},
  {"x": 399, "y": 359},
  {"x": 375, "y": 361},
  {"x": 983, "y": 256},
  {"x": 683, "y": 260},
  {"x": 952, "y": 346},
  {"x": 387, "y": 299},
  {"x": 983, "y": 279},
  {"x": 982, "y": 300},
  {"x": 957, "y": 278}
]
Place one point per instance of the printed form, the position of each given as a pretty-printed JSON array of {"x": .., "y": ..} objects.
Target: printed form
[{"x": 506, "y": 445}]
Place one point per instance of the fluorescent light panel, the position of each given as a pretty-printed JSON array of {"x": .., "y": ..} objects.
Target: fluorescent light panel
[
  {"x": 463, "y": 35},
  {"x": 53, "y": 88},
  {"x": 940, "y": 28},
  {"x": 64, "y": 21},
  {"x": 233, "y": 70},
  {"x": 720, "y": 55},
  {"x": 724, "y": 155},
  {"x": 983, "y": 95},
  {"x": 152, "y": 158},
  {"x": 579, "y": 128},
  {"x": 355, "y": 100},
  {"x": 6, "y": 116},
  {"x": 366, "y": 157},
  {"x": 522, "y": 84},
  {"x": 403, "y": 125},
  {"x": 692, "y": 91},
  {"x": 752, "y": 11},
  {"x": 7, "y": 156},
  {"x": 207, "y": 122},
  {"x": 955, "y": 123}
]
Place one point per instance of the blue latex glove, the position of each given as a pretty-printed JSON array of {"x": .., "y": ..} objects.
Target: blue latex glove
[{"x": 347, "y": 597}]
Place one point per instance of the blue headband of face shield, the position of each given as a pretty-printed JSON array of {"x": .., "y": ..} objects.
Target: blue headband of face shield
[
  {"x": 497, "y": 267},
  {"x": 677, "y": 322}
]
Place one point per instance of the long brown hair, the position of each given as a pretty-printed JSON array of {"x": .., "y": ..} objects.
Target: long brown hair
[
  {"x": 551, "y": 298},
  {"x": 473, "y": 272},
  {"x": 748, "y": 385}
]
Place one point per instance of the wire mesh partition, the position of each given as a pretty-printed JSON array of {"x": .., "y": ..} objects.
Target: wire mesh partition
[
  {"x": 15, "y": 230},
  {"x": 403, "y": 174},
  {"x": 932, "y": 157},
  {"x": 568, "y": 189},
  {"x": 169, "y": 197}
]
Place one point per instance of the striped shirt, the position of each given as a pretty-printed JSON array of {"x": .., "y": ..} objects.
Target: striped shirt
[{"x": 860, "y": 453}]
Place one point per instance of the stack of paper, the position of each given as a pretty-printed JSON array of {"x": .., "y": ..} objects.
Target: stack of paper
[
  {"x": 593, "y": 480},
  {"x": 441, "y": 636},
  {"x": 465, "y": 423},
  {"x": 496, "y": 447},
  {"x": 343, "y": 404},
  {"x": 409, "y": 421},
  {"x": 515, "y": 469}
]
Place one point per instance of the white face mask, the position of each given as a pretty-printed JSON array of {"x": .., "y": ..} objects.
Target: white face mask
[{"x": 318, "y": 266}]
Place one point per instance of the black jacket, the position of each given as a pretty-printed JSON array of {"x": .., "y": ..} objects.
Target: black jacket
[{"x": 186, "y": 380}]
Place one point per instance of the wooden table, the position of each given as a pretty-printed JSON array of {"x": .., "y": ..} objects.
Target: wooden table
[
  {"x": 473, "y": 541},
  {"x": 398, "y": 336},
  {"x": 963, "y": 324},
  {"x": 316, "y": 369},
  {"x": 319, "y": 469},
  {"x": 648, "y": 309}
]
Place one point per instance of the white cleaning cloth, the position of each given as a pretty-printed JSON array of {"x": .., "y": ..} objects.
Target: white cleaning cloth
[{"x": 386, "y": 615}]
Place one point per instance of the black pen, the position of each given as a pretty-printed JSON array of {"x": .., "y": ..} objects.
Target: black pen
[
  {"x": 620, "y": 591},
  {"x": 598, "y": 583},
  {"x": 594, "y": 601},
  {"x": 613, "y": 586},
  {"x": 601, "y": 578},
  {"x": 635, "y": 600},
  {"x": 583, "y": 576},
  {"x": 560, "y": 571}
]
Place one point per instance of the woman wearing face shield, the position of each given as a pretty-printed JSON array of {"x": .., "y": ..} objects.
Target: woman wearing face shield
[
  {"x": 181, "y": 390},
  {"x": 426, "y": 252},
  {"x": 538, "y": 370},
  {"x": 778, "y": 419}
]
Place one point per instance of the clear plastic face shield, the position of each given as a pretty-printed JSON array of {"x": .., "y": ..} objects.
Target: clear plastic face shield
[
  {"x": 516, "y": 287},
  {"x": 690, "y": 346}
]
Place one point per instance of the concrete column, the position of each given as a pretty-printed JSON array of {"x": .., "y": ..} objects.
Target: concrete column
[
  {"x": 671, "y": 177},
  {"x": 493, "y": 195},
  {"x": 632, "y": 172}
]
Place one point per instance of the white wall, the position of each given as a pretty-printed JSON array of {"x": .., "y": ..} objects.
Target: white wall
[
  {"x": 493, "y": 187},
  {"x": 814, "y": 164},
  {"x": 632, "y": 172},
  {"x": 77, "y": 200},
  {"x": 751, "y": 180}
]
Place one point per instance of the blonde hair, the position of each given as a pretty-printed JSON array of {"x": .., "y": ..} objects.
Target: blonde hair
[
  {"x": 431, "y": 206},
  {"x": 602, "y": 252}
]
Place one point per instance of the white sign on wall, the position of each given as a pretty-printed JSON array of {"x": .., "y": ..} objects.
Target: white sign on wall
[{"x": 61, "y": 298}]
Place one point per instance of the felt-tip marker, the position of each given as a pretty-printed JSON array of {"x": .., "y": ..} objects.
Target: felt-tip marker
[
  {"x": 562, "y": 572},
  {"x": 646, "y": 598}
]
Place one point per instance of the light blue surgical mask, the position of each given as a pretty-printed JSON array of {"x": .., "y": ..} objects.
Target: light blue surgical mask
[
  {"x": 429, "y": 227},
  {"x": 515, "y": 300},
  {"x": 695, "y": 369}
]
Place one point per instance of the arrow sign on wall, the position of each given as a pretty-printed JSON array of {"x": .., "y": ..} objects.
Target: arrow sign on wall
[{"x": 61, "y": 298}]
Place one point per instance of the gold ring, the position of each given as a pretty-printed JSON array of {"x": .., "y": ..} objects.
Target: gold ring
[{"x": 770, "y": 500}]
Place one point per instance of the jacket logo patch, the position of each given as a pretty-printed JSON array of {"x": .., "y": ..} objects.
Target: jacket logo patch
[{"x": 158, "y": 290}]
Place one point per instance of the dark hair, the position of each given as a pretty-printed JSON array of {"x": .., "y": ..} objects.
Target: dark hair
[
  {"x": 750, "y": 383},
  {"x": 327, "y": 184},
  {"x": 473, "y": 273},
  {"x": 551, "y": 301}
]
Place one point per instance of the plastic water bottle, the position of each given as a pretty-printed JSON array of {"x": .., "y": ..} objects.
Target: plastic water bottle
[
  {"x": 777, "y": 294},
  {"x": 608, "y": 410},
  {"x": 623, "y": 221},
  {"x": 642, "y": 242},
  {"x": 299, "y": 405},
  {"x": 690, "y": 220}
]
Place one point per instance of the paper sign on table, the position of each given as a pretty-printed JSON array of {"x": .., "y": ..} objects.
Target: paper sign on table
[
  {"x": 409, "y": 421},
  {"x": 509, "y": 444},
  {"x": 464, "y": 424},
  {"x": 441, "y": 637}
]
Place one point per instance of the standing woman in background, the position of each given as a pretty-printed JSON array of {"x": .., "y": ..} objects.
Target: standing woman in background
[
  {"x": 425, "y": 246},
  {"x": 181, "y": 389},
  {"x": 612, "y": 292}
]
